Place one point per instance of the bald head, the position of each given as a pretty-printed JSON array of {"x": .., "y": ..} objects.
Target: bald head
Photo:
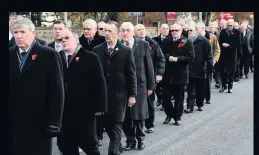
[{"x": 164, "y": 30}]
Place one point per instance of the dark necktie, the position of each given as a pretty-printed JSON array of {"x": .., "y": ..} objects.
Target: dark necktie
[
  {"x": 68, "y": 59},
  {"x": 110, "y": 50},
  {"x": 23, "y": 54},
  {"x": 127, "y": 43}
]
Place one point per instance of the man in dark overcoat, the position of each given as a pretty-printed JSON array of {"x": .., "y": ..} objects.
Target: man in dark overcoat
[
  {"x": 90, "y": 37},
  {"x": 36, "y": 92},
  {"x": 85, "y": 97},
  {"x": 178, "y": 52},
  {"x": 201, "y": 67},
  {"x": 136, "y": 115},
  {"x": 229, "y": 41},
  {"x": 164, "y": 32},
  {"x": 247, "y": 45},
  {"x": 158, "y": 61},
  {"x": 120, "y": 74}
]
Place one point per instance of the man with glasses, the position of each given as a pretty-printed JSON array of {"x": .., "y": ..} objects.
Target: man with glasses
[
  {"x": 90, "y": 37},
  {"x": 178, "y": 52},
  {"x": 200, "y": 72},
  {"x": 229, "y": 41},
  {"x": 85, "y": 89},
  {"x": 101, "y": 28}
]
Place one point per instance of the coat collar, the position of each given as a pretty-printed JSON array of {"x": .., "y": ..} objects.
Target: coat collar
[
  {"x": 116, "y": 48},
  {"x": 30, "y": 58}
]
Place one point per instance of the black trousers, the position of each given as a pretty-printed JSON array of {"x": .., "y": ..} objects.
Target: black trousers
[
  {"x": 216, "y": 73},
  {"x": 174, "y": 111},
  {"x": 133, "y": 129},
  {"x": 100, "y": 126},
  {"x": 114, "y": 131},
  {"x": 159, "y": 91},
  {"x": 208, "y": 87},
  {"x": 251, "y": 62},
  {"x": 196, "y": 90},
  {"x": 237, "y": 73},
  {"x": 226, "y": 79},
  {"x": 76, "y": 136},
  {"x": 244, "y": 65},
  {"x": 149, "y": 123}
]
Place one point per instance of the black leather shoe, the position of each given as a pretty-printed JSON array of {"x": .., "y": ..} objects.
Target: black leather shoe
[
  {"x": 141, "y": 145},
  {"x": 178, "y": 122},
  {"x": 158, "y": 103},
  {"x": 100, "y": 142},
  {"x": 229, "y": 91},
  {"x": 208, "y": 102},
  {"x": 246, "y": 76},
  {"x": 200, "y": 109},
  {"x": 167, "y": 120},
  {"x": 217, "y": 85},
  {"x": 222, "y": 90},
  {"x": 190, "y": 110},
  {"x": 129, "y": 147},
  {"x": 149, "y": 130}
]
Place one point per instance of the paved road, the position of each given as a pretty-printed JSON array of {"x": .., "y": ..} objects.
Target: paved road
[{"x": 225, "y": 127}]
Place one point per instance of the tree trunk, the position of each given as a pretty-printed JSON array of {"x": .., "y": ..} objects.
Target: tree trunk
[{"x": 166, "y": 18}]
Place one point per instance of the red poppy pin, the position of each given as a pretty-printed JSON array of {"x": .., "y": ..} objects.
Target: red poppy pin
[
  {"x": 150, "y": 48},
  {"x": 33, "y": 57},
  {"x": 77, "y": 58},
  {"x": 181, "y": 45}
]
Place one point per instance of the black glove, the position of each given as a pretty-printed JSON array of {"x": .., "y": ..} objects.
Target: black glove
[{"x": 53, "y": 131}]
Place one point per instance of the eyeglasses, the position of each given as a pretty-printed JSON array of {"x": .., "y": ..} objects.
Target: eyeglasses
[
  {"x": 88, "y": 29},
  {"x": 64, "y": 38},
  {"x": 190, "y": 30},
  {"x": 176, "y": 30},
  {"x": 230, "y": 25},
  {"x": 101, "y": 29}
]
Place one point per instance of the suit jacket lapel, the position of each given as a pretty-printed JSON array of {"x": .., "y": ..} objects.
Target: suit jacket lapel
[
  {"x": 116, "y": 49},
  {"x": 135, "y": 45},
  {"x": 63, "y": 58}
]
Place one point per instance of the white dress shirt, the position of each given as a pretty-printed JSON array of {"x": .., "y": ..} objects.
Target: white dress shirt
[
  {"x": 131, "y": 42},
  {"x": 58, "y": 46}
]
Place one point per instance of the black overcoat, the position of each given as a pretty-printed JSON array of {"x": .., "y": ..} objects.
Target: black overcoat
[
  {"x": 36, "y": 99},
  {"x": 120, "y": 74}
]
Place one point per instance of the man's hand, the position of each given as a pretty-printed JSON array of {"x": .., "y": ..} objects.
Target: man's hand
[
  {"x": 173, "y": 59},
  {"x": 158, "y": 78},
  {"x": 225, "y": 45},
  {"x": 214, "y": 61},
  {"x": 149, "y": 92},
  {"x": 132, "y": 101}
]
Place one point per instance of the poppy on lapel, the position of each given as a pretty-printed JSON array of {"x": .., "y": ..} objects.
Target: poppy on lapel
[
  {"x": 181, "y": 45},
  {"x": 77, "y": 58},
  {"x": 150, "y": 48},
  {"x": 33, "y": 57}
]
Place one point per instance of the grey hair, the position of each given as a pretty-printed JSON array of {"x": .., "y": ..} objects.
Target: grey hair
[
  {"x": 127, "y": 25},
  {"x": 214, "y": 24},
  {"x": 200, "y": 25},
  {"x": 15, "y": 17},
  {"x": 100, "y": 23},
  {"x": 24, "y": 22},
  {"x": 91, "y": 22}
]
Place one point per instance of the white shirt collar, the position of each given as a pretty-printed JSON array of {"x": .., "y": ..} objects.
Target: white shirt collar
[
  {"x": 60, "y": 46},
  {"x": 111, "y": 46},
  {"x": 131, "y": 42},
  {"x": 21, "y": 50}
]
